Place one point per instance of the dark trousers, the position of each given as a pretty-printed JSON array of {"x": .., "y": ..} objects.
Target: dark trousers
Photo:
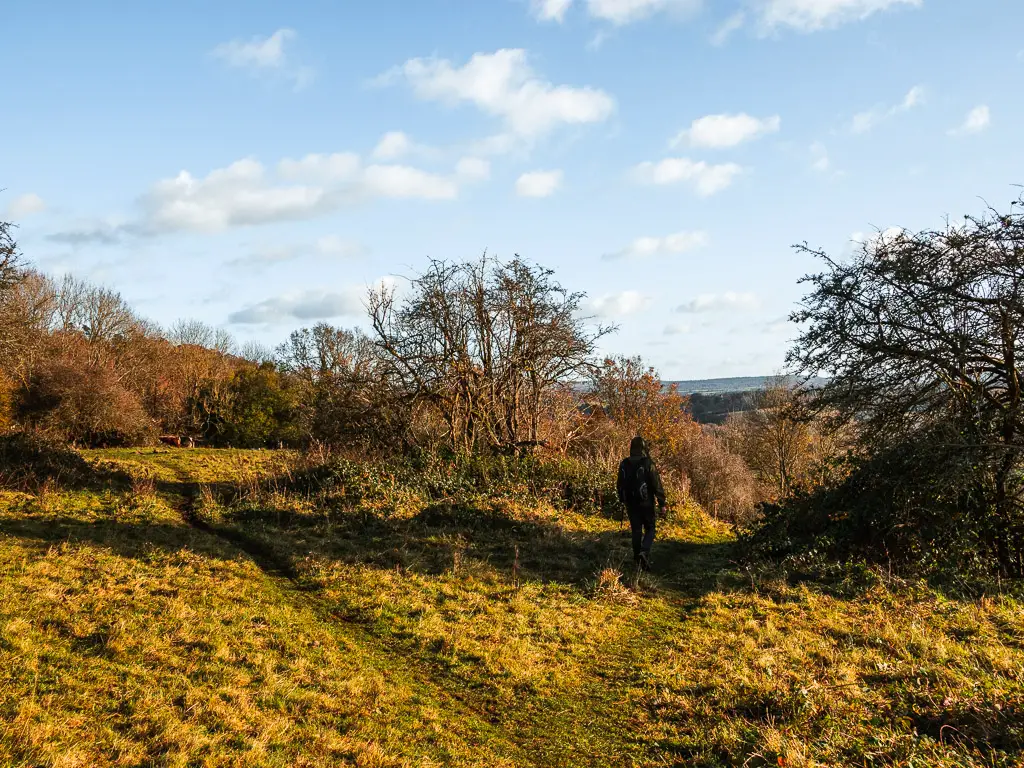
[{"x": 641, "y": 524}]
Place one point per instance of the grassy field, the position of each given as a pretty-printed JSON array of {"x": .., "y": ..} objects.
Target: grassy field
[{"x": 199, "y": 614}]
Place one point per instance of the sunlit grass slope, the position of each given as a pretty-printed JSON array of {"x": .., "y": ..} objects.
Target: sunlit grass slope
[{"x": 197, "y": 615}]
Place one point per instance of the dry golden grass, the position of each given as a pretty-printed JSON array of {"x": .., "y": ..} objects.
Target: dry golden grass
[{"x": 286, "y": 632}]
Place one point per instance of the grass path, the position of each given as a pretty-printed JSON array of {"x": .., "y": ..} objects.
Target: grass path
[
  {"x": 182, "y": 495},
  {"x": 590, "y": 725},
  {"x": 165, "y": 622}
]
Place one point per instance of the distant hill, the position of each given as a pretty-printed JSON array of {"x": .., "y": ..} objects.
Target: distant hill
[
  {"x": 712, "y": 400},
  {"x": 714, "y": 386},
  {"x": 733, "y": 384}
]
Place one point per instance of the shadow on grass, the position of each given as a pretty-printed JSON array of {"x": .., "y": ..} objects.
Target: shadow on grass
[
  {"x": 123, "y": 538},
  {"x": 442, "y": 535},
  {"x": 433, "y": 542}
]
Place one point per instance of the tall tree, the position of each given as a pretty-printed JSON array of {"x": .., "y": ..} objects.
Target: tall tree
[
  {"x": 10, "y": 274},
  {"x": 921, "y": 334}
]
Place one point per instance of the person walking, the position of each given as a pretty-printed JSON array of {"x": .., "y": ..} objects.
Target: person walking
[{"x": 639, "y": 487}]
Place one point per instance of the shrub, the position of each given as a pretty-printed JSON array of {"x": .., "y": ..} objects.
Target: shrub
[
  {"x": 564, "y": 483},
  {"x": 84, "y": 403},
  {"x": 28, "y": 461},
  {"x": 919, "y": 337},
  {"x": 913, "y": 507},
  {"x": 720, "y": 481},
  {"x": 260, "y": 411},
  {"x": 6, "y": 403}
]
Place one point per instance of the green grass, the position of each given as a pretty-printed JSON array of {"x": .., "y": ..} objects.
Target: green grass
[{"x": 196, "y": 616}]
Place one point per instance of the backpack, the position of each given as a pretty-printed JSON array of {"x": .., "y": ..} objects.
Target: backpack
[{"x": 637, "y": 492}]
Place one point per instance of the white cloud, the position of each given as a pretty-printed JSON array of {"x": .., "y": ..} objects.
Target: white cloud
[
  {"x": 232, "y": 196},
  {"x": 819, "y": 157},
  {"x": 240, "y": 194},
  {"x": 303, "y": 305},
  {"x": 621, "y": 12},
  {"x": 977, "y": 120},
  {"x": 259, "y": 52},
  {"x": 504, "y": 85},
  {"x": 265, "y": 54},
  {"x": 340, "y": 166},
  {"x": 914, "y": 98},
  {"x": 617, "y": 305},
  {"x": 473, "y": 169},
  {"x": 245, "y": 194},
  {"x": 550, "y": 10},
  {"x": 815, "y": 15},
  {"x": 26, "y": 205},
  {"x": 707, "y": 179},
  {"x": 865, "y": 121},
  {"x": 392, "y": 145},
  {"x": 718, "y": 131},
  {"x": 727, "y": 27},
  {"x": 401, "y": 181},
  {"x": 538, "y": 183},
  {"x": 90, "y": 233},
  {"x": 716, "y": 302},
  {"x": 599, "y": 39},
  {"x": 329, "y": 246},
  {"x": 498, "y": 144},
  {"x": 676, "y": 329},
  {"x": 395, "y": 145},
  {"x": 680, "y": 242}
]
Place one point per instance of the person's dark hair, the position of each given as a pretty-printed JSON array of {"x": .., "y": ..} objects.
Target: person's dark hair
[{"x": 638, "y": 447}]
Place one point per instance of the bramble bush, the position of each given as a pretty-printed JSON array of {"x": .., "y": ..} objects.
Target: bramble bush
[{"x": 914, "y": 507}]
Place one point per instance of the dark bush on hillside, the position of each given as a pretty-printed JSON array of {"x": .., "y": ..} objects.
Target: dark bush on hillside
[
  {"x": 915, "y": 507},
  {"x": 260, "y": 409},
  {"x": 919, "y": 335},
  {"x": 350, "y": 480},
  {"x": 715, "y": 407},
  {"x": 28, "y": 461},
  {"x": 566, "y": 483}
]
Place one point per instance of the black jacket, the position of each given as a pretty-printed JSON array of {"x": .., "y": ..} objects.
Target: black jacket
[{"x": 628, "y": 467}]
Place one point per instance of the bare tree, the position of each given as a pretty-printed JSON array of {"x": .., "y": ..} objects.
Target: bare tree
[
  {"x": 10, "y": 257},
  {"x": 324, "y": 351},
  {"x": 773, "y": 438},
  {"x": 26, "y": 317},
  {"x": 257, "y": 353},
  {"x": 346, "y": 395},
  {"x": 484, "y": 342},
  {"x": 200, "y": 334},
  {"x": 10, "y": 276},
  {"x": 106, "y": 316}
]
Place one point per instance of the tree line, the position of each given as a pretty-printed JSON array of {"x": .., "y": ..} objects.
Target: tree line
[
  {"x": 912, "y": 451},
  {"x": 475, "y": 357}
]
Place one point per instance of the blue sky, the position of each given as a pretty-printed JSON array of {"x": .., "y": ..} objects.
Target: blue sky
[{"x": 257, "y": 164}]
